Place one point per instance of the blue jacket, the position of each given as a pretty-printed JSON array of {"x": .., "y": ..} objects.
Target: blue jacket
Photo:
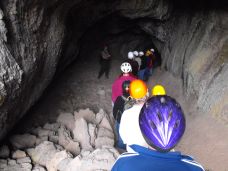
[{"x": 145, "y": 159}]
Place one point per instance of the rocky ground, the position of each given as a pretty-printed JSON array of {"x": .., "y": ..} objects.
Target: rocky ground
[{"x": 71, "y": 128}]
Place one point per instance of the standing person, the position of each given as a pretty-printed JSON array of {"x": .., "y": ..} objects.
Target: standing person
[
  {"x": 134, "y": 64},
  {"x": 162, "y": 124},
  {"x": 105, "y": 62},
  {"x": 156, "y": 59},
  {"x": 129, "y": 129},
  {"x": 118, "y": 109},
  {"x": 117, "y": 84},
  {"x": 143, "y": 73}
]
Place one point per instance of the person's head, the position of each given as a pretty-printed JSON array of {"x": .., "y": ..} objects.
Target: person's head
[
  {"x": 158, "y": 90},
  {"x": 136, "y": 53},
  {"x": 130, "y": 55},
  {"x": 141, "y": 53},
  {"x": 138, "y": 90},
  {"x": 162, "y": 122},
  {"x": 148, "y": 53},
  {"x": 126, "y": 68},
  {"x": 152, "y": 50},
  {"x": 125, "y": 88}
]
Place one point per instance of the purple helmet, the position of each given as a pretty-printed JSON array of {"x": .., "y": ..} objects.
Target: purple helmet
[{"x": 162, "y": 122}]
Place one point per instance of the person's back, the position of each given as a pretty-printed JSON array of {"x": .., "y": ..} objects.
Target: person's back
[
  {"x": 133, "y": 63},
  {"x": 162, "y": 124},
  {"x": 117, "y": 84},
  {"x": 118, "y": 109},
  {"x": 129, "y": 128},
  {"x": 145, "y": 159}
]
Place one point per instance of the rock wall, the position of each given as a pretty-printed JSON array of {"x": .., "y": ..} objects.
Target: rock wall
[
  {"x": 193, "y": 46},
  {"x": 30, "y": 51}
]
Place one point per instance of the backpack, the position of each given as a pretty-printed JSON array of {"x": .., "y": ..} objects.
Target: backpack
[{"x": 129, "y": 102}]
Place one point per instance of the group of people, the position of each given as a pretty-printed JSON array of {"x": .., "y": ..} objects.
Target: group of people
[
  {"x": 148, "y": 126},
  {"x": 143, "y": 63}
]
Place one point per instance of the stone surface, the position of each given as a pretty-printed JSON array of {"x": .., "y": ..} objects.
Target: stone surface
[
  {"x": 100, "y": 159},
  {"x": 57, "y": 158},
  {"x": 23, "y": 141},
  {"x": 4, "y": 151},
  {"x": 43, "y": 153},
  {"x": 23, "y": 160},
  {"x": 18, "y": 154},
  {"x": 67, "y": 142},
  {"x": 81, "y": 134},
  {"x": 87, "y": 114},
  {"x": 66, "y": 119},
  {"x": 38, "y": 168}
]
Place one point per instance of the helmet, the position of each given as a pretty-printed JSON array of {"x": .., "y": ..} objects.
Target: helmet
[
  {"x": 138, "y": 89},
  {"x": 148, "y": 52},
  {"x": 125, "y": 88},
  {"x": 152, "y": 50},
  {"x": 141, "y": 53},
  {"x": 158, "y": 90},
  {"x": 162, "y": 122},
  {"x": 136, "y": 53},
  {"x": 130, "y": 55},
  {"x": 126, "y": 67}
]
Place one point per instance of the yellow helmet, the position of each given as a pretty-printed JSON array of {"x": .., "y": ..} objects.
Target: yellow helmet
[
  {"x": 148, "y": 52},
  {"x": 158, "y": 90},
  {"x": 138, "y": 89}
]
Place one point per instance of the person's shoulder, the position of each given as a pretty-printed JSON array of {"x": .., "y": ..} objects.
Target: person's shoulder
[
  {"x": 190, "y": 162},
  {"x": 126, "y": 161}
]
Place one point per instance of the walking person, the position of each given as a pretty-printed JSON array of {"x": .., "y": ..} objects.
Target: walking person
[
  {"x": 118, "y": 110},
  {"x": 117, "y": 84},
  {"x": 162, "y": 124},
  {"x": 105, "y": 62},
  {"x": 129, "y": 129},
  {"x": 133, "y": 63}
]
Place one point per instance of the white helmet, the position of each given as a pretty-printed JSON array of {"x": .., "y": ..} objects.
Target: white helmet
[
  {"x": 152, "y": 50},
  {"x": 126, "y": 67},
  {"x": 130, "y": 55},
  {"x": 136, "y": 53},
  {"x": 141, "y": 53}
]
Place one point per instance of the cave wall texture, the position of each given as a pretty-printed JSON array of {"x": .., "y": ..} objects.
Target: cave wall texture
[{"x": 38, "y": 38}]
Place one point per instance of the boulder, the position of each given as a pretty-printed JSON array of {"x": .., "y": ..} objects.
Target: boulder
[
  {"x": 67, "y": 142},
  {"x": 4, "y": 152},
  {"x": 18, "y": 154},
  {"x": 66, "y": 119},
  {"x": 23, "y": 141},
  {"x": 81, "y": 134}
]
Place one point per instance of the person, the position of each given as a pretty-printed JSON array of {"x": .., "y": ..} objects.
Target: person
[
  {"x": 162, "y": 124},
  {"x": 158, "y": 90},
  {"x": 138, "y": 59},
  {"x": 105, "y": 62},
  {"x": 117, "y": 84},
  {"x": 134, "y": 64},
  {"x": 129, "y": 129},
  {"x": 156, "y": 59},
  {"x": 118, "y": 109},
  {"x": 136, "y": 53},
  {"x": 143, "y": 72}
]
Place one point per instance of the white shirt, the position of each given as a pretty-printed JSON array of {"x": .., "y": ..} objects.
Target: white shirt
[{"x": 129, "y": 127}]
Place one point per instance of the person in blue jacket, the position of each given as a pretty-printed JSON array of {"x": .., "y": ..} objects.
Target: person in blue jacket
[{"x": 162, "y": 124}]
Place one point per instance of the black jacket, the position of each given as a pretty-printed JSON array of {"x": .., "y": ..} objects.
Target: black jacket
[{"x": 118, "y": 108}]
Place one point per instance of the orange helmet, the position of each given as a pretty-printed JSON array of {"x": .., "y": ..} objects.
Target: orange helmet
[{"x": 138, "y": 89}]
